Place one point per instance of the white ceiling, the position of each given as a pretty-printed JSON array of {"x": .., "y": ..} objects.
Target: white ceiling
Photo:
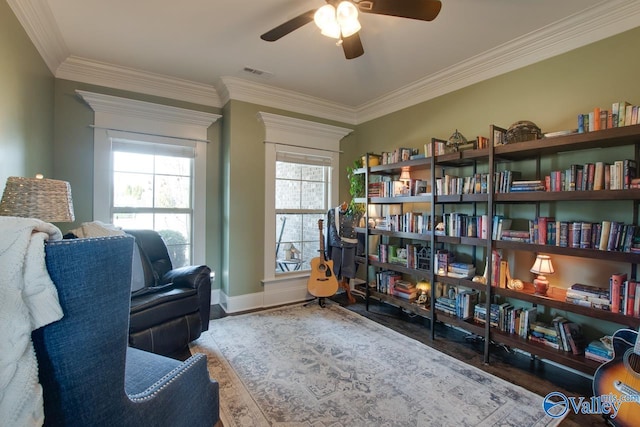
[{"x": 200, "y": 48}]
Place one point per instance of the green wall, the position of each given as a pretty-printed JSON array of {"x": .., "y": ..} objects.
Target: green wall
[{"x": 26, "y": 104}]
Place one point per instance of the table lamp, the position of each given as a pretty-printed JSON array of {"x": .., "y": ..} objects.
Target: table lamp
[
  {"x": 424, "y": 288},
  {"x": 48, "y": 200},
  {"x": 541, "y": 266}
]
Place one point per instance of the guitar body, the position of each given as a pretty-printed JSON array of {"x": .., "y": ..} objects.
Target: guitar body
[
  {"x": 620, "y": 377},
  {"x": 322, "y": 282}
]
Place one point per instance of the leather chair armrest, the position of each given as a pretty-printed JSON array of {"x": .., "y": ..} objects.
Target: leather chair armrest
[{"x": 188, "y": 277}]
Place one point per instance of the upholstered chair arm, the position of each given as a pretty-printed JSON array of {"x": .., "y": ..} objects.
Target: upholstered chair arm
[
  {"x": 196, "y": 277},
  {"x": 189, "y": 277},
  {"x": 153, "y": 378}
]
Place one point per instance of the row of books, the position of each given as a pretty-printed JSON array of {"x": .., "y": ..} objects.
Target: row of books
[
  {"x": 620, "y": 114},
  {"x": 605, "y": 235},
  {"x": 457, "y": 224},
  {"x": 461, "y": 306},
  {"x": 408, "y": 222},
  {"x": 396, "y": 188},
  {"x": 560, "y": 335},
  {"x": 625, "y": 295},
  {"x": 622, "y": 295},
  {"x": 397, "y": 155},
  {"x": 476, "y": 183},
  {"x": 618, "y": 175}
]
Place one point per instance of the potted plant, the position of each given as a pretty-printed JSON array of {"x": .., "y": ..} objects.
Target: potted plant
[{"x": 356, "y": 190}]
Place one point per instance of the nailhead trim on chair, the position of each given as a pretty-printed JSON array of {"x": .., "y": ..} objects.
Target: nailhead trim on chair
[{"x": 162, "y": 383}]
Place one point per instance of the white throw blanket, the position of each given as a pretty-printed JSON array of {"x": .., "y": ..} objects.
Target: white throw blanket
[{"x": 28, "y": 301}]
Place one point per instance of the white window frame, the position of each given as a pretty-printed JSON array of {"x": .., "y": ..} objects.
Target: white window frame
[
  {"x": 123, "y": 118},
  {"x": 304, "y": 137}
]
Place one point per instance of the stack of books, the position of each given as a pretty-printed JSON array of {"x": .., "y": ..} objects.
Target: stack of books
[
  {"x": 545, "y": 334},
  {"x": 589, "y": 296},
  {"x": 446, "y": 305},
  {"x": 597, "y": 351},
  {"x": 461, "y": 270},
  {"x": 405, "y": 290}
]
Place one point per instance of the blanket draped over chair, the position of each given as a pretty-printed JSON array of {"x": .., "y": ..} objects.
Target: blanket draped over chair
[{"x": 28, "y": 301}]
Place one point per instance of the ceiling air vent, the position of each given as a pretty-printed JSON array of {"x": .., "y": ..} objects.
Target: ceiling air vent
[{"x": 257, "y": 72}]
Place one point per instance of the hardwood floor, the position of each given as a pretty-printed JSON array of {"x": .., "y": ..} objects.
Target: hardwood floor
[{"x": 517, "y": 368}]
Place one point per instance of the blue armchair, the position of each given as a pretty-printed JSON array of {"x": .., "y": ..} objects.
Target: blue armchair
[{"x": 89, "y": 375}]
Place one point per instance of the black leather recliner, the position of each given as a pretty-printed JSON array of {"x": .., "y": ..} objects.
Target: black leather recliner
[{"x": 171, "y": 307}]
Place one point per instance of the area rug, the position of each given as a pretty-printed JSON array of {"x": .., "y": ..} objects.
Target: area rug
[{"x": 313, "y": 366}]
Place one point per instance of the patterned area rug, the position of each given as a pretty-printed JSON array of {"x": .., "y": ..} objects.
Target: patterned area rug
[{"x": 309, "y": 366}]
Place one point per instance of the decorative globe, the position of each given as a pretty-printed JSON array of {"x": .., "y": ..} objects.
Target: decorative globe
[
  {"x": 522, "y": 131},
  {"x": 455, "y": 141}
]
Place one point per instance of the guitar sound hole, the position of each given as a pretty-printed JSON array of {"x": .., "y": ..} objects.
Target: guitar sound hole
[
  {"x": 322, "y": 267},
  {"x": 632, "y": 361}
]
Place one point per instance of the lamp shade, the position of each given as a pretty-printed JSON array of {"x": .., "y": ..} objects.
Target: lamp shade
[
  {"x": 542, "y": 265},
  {"x": 405, "y": 175},
  {"x": 48, "y": 200}
]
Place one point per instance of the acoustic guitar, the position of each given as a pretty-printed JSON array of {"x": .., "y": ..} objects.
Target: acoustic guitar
[
  {"x": 322, "y": 282},
  {"x": 620, "y": 377}
]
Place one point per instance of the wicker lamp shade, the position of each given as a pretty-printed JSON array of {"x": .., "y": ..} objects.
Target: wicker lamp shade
[{"x": 46, "y": 199}]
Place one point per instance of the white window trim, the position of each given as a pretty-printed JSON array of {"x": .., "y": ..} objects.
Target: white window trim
[
  {"x": 117, "y": 117},
  {"x": 305, "y": 136}
]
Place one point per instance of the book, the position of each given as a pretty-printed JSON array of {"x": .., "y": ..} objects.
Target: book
[
  {"x": 574, "y": 337},
  {"x": 616, "y": 282}
]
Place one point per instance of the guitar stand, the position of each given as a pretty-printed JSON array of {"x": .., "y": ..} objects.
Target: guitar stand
[{"x": 321, "y": 302}]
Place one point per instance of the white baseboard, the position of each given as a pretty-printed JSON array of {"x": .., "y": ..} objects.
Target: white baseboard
[{"x": 274, "y": 293}]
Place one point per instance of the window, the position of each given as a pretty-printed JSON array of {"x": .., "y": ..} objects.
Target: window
[
  {"x": 160, "y": 146},
  {"x": 301, "y": 184},
  {"x": 302, "y": 188},
  {"x": 152, "y": 189}
]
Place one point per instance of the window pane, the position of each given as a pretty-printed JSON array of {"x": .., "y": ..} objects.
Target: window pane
[
  {"x": 288, "y": 170},
  {"x": 132, "y": 162},
  {"x": 288, "y": 194},
  {"x": 132, "y": 190},
  {"x": 133, "y": 220},
  {"x": 313, "y": 195},
  {"x": 313, "y": 173},
  {"x": 172, "y": 192},
  {"x": 168, "y": 165},
  {"x": 155, "y": 183}
]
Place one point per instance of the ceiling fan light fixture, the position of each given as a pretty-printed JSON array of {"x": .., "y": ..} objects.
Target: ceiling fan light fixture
[
  {"x": 347, "y": 17},
  {"x": 325, "y": 19}
]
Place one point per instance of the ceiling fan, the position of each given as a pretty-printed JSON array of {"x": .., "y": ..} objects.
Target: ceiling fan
[{"x": 339, "y": 19}]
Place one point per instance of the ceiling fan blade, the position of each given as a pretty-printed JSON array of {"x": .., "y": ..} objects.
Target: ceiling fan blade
[
  {"x": 289, "y": 26},
  {"x": 424, "y": 10},
  {"x": 352, "y": 46}
]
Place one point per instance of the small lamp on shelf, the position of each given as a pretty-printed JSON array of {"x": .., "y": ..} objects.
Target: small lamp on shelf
[
  {"x": 541, "y": 267},
  {"x": 424, "y": 288},
  {"x": 374, "y": 213}
]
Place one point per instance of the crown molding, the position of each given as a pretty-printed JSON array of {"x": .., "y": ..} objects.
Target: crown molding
[
  {"x": 113, "y": 76},
  {"x": 292, "y": 131},
  {"x": 596, "y": 23},
  {"x": 37, "y": 20},
  {"x": 269, "y": 96},
  {"x": 606, "y": 19},
  {"x": 117, "y": 106}
]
